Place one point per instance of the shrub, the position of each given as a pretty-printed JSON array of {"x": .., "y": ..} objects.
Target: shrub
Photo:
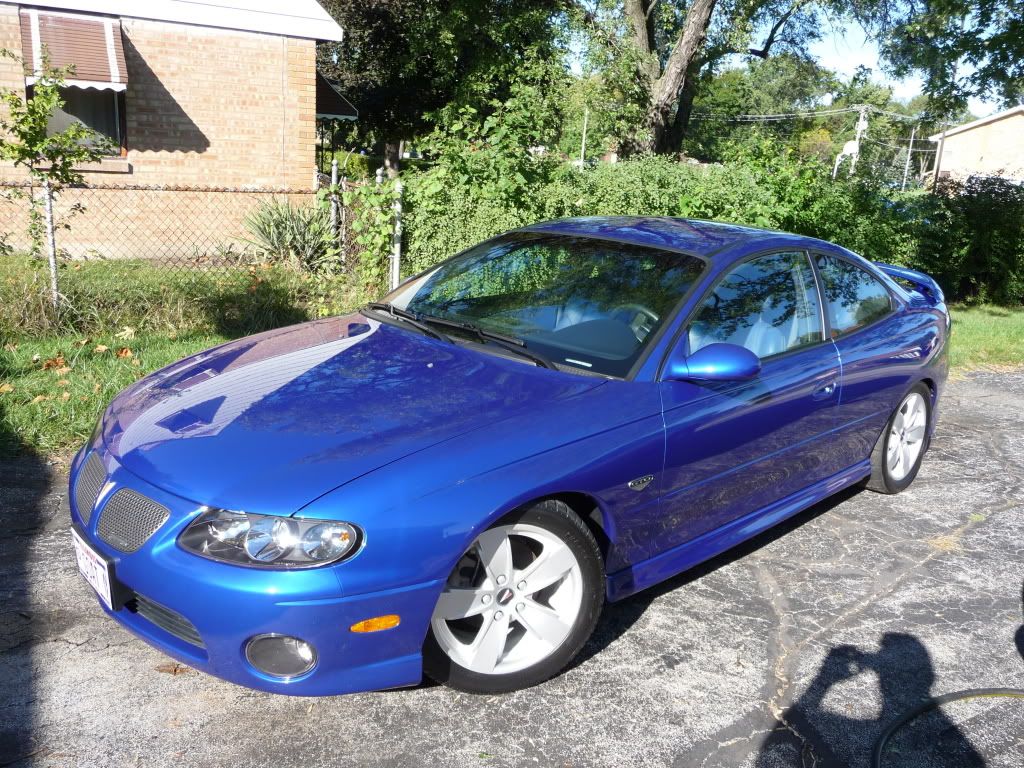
[{"x": 299, "y": 236}]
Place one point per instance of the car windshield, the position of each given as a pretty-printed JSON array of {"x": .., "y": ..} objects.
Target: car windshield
[{"x": 583, "y": 303}]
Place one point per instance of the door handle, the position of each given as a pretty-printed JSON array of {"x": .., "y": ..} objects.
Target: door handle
[{"x": 825, "y": 392}]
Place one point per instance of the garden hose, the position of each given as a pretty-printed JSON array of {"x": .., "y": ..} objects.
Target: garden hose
[{"x": 973, "y": 693}]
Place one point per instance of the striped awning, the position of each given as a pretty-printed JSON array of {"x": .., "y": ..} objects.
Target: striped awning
[{"x": 91, "y": 45}]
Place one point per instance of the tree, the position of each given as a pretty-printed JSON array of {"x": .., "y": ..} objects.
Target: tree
[
  {"x": 403, "y": 61},
  {"x": 963, "y": 48},
  {"x": 49, "y": 157},
  {"x": 679, "y": 45}
]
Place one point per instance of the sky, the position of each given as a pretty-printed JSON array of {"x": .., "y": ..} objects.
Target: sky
[{"x": 844, "y": 49}]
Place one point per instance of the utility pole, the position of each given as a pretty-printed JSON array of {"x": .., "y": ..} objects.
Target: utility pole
[
  {"x": 906, "y": 167},
  {"x": 862, "y": 128},
  {"x": 583, "y": 143},
  {"x": 938, "y": 159}
]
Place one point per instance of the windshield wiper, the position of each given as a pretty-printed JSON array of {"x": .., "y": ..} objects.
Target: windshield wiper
[
  {"x": 510, "y": 343},
  {"x": 407, "y": 317}
]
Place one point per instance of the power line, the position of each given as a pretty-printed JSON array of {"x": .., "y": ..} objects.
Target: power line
[{"x": 894, "y": 146}]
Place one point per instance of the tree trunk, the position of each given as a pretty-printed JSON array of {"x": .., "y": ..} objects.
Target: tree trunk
[
  {"x": 392, "y": 158},
  {"x": 640, "y": 14},
  {"x": 677, "y": 131},
  {"x": 669, "y": 87}
]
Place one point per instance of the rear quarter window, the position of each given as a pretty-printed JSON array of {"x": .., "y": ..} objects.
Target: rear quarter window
[{"x": 854, "y": 298}]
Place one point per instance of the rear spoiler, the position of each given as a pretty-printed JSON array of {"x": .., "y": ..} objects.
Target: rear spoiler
[{"x": 919, "y": 281}]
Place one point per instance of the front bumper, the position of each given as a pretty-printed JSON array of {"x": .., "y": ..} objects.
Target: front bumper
[{"x": 227, "y": 605}]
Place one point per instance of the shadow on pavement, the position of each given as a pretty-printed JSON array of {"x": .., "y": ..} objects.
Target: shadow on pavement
[
  {"x": 24, "y": 483},
  {"x": 814, "y": 731},
  {"x": 618, "y": 617}
]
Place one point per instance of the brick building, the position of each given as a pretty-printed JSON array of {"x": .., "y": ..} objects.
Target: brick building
[{"x": 193, "y": 93}]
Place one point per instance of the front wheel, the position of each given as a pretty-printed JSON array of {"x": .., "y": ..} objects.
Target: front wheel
[
  {"x": 519, "y": 604},
  {"x": 897, "y": 456}
]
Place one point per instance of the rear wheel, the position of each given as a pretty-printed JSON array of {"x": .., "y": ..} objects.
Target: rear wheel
[
  {"x": 897, "y": 456},
  {"x": 519, "y": 604}
]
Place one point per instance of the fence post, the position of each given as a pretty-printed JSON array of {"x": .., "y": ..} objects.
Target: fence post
[
  {"x": 396, "y": 241},
  {"x": 334, "y": 196},
  {"x": 51, "y": 242},
  {"x": 343, "y": 229}
]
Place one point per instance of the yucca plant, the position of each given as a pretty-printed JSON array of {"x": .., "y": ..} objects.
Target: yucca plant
[{"x": 300, "y": 236}]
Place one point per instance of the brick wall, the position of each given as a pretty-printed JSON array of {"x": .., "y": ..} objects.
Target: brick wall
[
  {"x": 216, "y": 107},
  {"x": 206, "y": 106}
]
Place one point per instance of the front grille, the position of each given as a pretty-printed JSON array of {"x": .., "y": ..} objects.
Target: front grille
[
  {"x": 128, "y": 519},
  {"x": 168, "y": 620},
  {"x": 87, "y": 488}
]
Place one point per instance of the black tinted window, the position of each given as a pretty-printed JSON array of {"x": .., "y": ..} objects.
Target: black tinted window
[
  {"x": 855, "y": 298},
  {"x": 586, "y": 303},
  {"x": 768, "y": 305}
]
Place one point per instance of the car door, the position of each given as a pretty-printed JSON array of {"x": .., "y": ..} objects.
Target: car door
[
  {"x": 735, "y": 447},
  {"x": 879, "y": 349}
]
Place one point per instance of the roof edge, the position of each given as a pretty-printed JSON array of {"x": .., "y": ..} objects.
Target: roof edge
[
  {"x": 1019, "y": 109},
  {"x": 304, "y": 18}
]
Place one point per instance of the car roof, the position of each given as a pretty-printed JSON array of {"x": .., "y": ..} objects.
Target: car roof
[{"x": 693, "y": 236}]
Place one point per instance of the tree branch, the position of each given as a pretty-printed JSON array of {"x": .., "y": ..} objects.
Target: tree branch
[{"x": 771, "y": 39}]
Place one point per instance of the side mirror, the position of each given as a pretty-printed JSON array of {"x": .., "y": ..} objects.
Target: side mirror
[{"x": 715, "y": 362}]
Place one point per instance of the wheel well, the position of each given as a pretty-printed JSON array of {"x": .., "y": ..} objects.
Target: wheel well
[
  {"x": 931, "y": 387},
  {"x": 589, "y": 511}
]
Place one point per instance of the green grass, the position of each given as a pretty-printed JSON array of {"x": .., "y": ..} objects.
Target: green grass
[
  {"x": 987, "y": 336},
  {"x": 53, "y": 389}
]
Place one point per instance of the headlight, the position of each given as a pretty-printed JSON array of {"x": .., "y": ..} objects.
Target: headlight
[{"x": 267, "y": 541}]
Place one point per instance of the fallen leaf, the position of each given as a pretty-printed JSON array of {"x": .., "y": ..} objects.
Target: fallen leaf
[
  {"x": 5, "y": 388},
  {"x": 127, "y": 334},
  {"x": 54, "y": 362},
  {"x": 62, "y": 370},
  {"x": 63, "y": 383},
  {"x": 95, "y": 389},
  {"x": 83, "y": 398},
  {"x": 66, "y": 396},
  {"x": 99, "y": 349},
  {"x": 124, "y": 352},
  {"x": 40, "y": 398},
  {"x": 172, "y": 668},
  {"x": 136, "y": 362},
  {"x": 82, "y": 342}
]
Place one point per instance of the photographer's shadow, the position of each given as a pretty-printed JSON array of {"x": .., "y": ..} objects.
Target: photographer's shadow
[{"x": 815, "y": 730}]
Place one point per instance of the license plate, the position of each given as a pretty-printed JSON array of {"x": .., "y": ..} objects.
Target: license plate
[{"x": 94, "y": 567}]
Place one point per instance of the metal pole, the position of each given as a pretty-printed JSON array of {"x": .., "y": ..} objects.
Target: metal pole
[
  {"x": 396, "y": 242},
  {"x": 938, "y": 159},
  {"x": 334, "y": 194},
  {"x": 583, "y": 143},
  {"x": 906, "y": 167},
  {"x": 51, "y": 242}
]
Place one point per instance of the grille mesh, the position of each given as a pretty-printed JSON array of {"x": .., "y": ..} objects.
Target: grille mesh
[
  {"x": 168, "y": 620},
  {"x": 128, "y": 519},
  {"x": 87, "y": 487}
]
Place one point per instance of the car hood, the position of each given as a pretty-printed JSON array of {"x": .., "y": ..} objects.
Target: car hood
[{"x": 271, "y": 422}]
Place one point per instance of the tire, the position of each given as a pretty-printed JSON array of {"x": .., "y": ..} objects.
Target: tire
[
  {"x": 519, "y": 604},
  {"x": 896, "y": 457}
]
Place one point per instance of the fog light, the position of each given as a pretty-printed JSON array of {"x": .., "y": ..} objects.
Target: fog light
[{"x": 280, "y": 655}]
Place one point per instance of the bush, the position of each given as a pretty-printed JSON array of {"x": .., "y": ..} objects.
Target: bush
[{"x": 299, "y": 236}]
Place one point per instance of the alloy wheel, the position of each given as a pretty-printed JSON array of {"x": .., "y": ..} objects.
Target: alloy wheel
[
  {"x": 906, "y": 436},
  {"x": 511, "y": 601}
]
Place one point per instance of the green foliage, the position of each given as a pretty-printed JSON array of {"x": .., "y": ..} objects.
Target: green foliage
[
  {"x": 372, "y": 208},
  {"x": 971, "y": 238},
  {"x": 299, "y": 236}
]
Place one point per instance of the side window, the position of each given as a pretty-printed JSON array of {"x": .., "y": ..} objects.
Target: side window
[
  {"x": 768, "y": 305},
  {"x": 854, "y": 297}
]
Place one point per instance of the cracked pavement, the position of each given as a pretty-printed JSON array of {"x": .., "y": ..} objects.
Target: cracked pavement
[{"x": 797, "y": 649}]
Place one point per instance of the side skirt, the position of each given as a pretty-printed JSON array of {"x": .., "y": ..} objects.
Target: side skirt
[{"x": 649, "y": 572}]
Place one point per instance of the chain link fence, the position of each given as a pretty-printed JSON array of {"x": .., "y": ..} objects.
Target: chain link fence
[{"x": 189, "y": 230}]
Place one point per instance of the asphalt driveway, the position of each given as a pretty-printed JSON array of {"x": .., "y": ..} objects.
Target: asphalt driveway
[{"x": 796, "y": 650}]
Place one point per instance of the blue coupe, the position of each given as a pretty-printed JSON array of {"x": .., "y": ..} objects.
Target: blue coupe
[{"x": 453, "y": 480}]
